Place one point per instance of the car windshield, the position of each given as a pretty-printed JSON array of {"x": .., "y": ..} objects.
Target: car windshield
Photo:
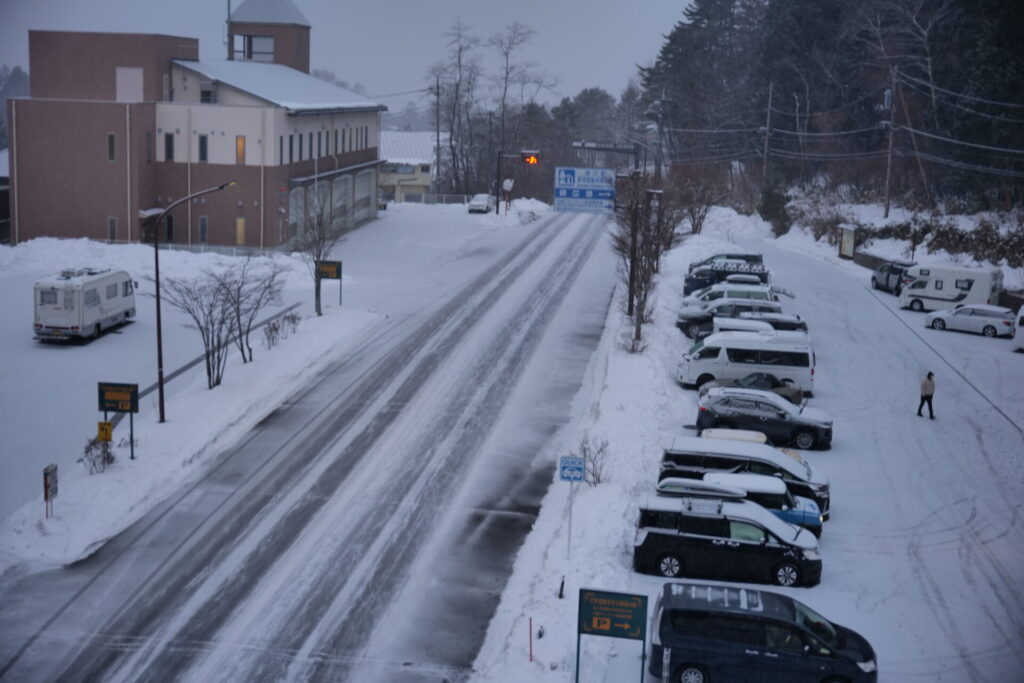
[
  {"x": 696, "y": 347},
  {"x": 811, "y": 621}
]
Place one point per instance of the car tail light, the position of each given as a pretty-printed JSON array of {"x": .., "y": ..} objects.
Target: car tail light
[
  {"x": 1008, "y": 323},
  {"x": 702, "y": 409}
]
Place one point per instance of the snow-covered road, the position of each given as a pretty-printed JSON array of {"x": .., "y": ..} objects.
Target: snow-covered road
[{"x": 282, "y": 561}]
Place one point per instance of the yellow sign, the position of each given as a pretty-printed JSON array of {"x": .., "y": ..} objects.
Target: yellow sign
[{"x": 106, "y": 431}]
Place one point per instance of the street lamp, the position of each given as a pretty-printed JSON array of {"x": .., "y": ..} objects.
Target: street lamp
[{"x": 156, "y": 279}]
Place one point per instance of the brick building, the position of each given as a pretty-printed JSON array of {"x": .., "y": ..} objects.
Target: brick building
[{"x": 119, "y": 126}]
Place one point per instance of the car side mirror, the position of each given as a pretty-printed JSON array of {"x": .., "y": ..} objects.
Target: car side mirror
[
  {"x": 782, "y": 414},
  {"x": 807, "y": 649}
]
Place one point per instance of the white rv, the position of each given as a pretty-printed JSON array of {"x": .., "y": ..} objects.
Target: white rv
[
  {"x": 935, "y": 288},
  {"x": 82, "y": 302}
]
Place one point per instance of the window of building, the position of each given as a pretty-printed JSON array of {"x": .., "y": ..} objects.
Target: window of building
[
  {"x": 203, "y": 148},
  {"x": 170, "y": 229},
  {"x": 167, "y": 87},
  {"x": 206, "y": 95},
  {"x": 291, "y": 148},
  {"x": 168, "y": 146},
  {"x": 343, "y": 150},
  {"x": 300, "y": 146},
  {"x": 310, "y": 144},
  {"x": 239, "y": 149},
  {"x": 111, "y": 147},
  {"x": 280, "y": 149},
  {"x": 424, "y": 168},
  {"x": 149, "y": 145},
  {"x": 111, "y": 228},
  {"x": 111, "y": 291},
  {"x": 204, "y": 225},
  {"x": 259, "y": 48},
  {"x": 366, "y": 137},
  {"x": 335, "y": 140},
  {"x": 319, "y": 148}
]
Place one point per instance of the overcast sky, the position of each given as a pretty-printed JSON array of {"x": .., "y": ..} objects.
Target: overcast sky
[{"x": 388, "y": 45}]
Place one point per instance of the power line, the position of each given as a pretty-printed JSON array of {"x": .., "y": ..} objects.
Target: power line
[
  {"x": 841, "y": 107},
  {"x": 963, "y": 165},
  {"x": 961, "y": 95},
  {"x": 713, "y": 131},
  {"x": 956, "y": 105},
  {"x": 872, "y": 129},
  {"x": 961, "y": 142}
]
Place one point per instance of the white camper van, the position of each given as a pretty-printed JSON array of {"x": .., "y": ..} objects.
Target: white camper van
[
  {"x": 82, "y": 302},
  {"x": 935, "y": 288}
]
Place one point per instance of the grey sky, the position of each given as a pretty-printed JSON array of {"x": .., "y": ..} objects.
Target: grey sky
[{"x": 388, "y": 45}]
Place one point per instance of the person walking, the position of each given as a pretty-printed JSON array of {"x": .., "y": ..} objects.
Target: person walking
[{"x": 927, "y": 391}]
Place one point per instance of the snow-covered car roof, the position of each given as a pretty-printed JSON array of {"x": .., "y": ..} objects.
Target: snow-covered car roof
[{"x": 743, "y": 449}]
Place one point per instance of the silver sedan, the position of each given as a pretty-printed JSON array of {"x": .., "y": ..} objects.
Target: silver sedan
[{"x": 991, "y": 321}]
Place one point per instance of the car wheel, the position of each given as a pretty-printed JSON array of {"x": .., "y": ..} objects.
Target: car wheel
[
  {"x": 95, "y": 331},
  {"x": 989, "y": 331},
  {"x": 937, "y": 324},
  {"x": 670, "y": 565},
  {"x": 691, "y": 673},
  {"x": 874, "y": 283},
  {"x": 693, "y": 331},
  {"x": 704, "y": 379},
  {"x": 786, "y": 574},
  {"x": 803, "y": 439},
  {"x": 916, "y": 305}
]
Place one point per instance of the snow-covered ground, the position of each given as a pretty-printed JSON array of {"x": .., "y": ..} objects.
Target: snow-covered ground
[{"x": 921, "y": 555}]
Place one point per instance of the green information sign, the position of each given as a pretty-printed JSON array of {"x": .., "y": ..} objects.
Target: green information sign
[
  {"x": 615, "y": 615},
  {"x": 119, "y": 398}
]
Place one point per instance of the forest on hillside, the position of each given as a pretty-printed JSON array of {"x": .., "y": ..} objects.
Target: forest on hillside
[{"x": 923, "y": 97}]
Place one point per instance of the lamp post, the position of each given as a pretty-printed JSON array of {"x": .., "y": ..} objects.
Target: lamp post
[{"x": 156, "y": 279}]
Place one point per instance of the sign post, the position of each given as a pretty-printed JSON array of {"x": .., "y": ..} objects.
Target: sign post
[
  {"x": 330, "y": 270},
  {"x": 570, "y": 469},
  {"x": 585, "y": 190},
  {"x": 119, "y": 398},
  {"x": 49, "y": 488},
  {"x": 614, "y": 615}
]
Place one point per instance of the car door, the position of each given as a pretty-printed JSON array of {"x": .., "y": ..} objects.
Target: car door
[
  {"x": 747, "y": 559},
  {"x": 742, "y": 636},
  {"x": 784, "y": 657},
  {"x": 960, "y": 319},
  {"x": 703, "y": 545},
  {"x": 774, "y": 422}
]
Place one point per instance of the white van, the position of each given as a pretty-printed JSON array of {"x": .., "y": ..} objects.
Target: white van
[
  {"x": 935, "y": 288},
  {"x": 82, "y": 302},
  {"x": 730, "y": 290},
  {"x": 734, "y": 355}
]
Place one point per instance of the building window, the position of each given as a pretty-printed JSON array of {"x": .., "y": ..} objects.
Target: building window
[
  {"x": 300, "y": 146},
  {"x": 149, "y": 145},
  {"x": 170, "y": 229},
  {"x": 206, "y": 96},
  {"x": 167, "y": 87},
  {"x": 259, "y": 48},
  {"x": 111, "y": 147},
  {"x": 280, "y": 149},
  {"x": 111, "y": 228},
  {"x": 343, "y": 142},
  {"x": 319, "y": 148},
  {"x": 239, "y": 149},
  {"x": 310, "y": 144},
  {"x": 335, "y": 140},
  {"x": 168, "y": 146},
  {"x": 203, "y": 149},
  {"x": 203, "y": 229},
  {"x": 291, "y": 148}
]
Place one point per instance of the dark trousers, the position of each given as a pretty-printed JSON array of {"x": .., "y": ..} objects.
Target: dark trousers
[{"x": 928, "y": 400}]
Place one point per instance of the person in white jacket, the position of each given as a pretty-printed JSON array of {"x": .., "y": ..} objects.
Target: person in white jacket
[{"x": 927, "y": 391}]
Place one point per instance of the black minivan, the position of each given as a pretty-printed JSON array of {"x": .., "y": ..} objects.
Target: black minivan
[
  {"x": 723, "y": 539},
  {"x": 701, "y": 632}
]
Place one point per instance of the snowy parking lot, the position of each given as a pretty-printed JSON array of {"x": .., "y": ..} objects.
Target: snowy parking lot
[{"x": 920, "y": 556}]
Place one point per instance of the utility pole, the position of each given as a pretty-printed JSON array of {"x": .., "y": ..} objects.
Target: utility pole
[
  {"x": 892, "y": 121},
  {"x": 917, "y": 155},
  {"x": 767, "y": 132},
  {"x": 634, "y": 226},
  {"x": 437, "y": 129}
]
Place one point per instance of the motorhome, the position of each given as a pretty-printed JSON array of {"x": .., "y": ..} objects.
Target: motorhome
[
  {"x": 934, "y": 288},
  {"x": 82, "y": 302}
]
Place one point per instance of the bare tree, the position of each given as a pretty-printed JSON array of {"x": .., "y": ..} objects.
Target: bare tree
[
  {"x": 203, "y": 300},
  {"x": 247, "y": 291},
  {"x": 507, "y": 43},
  {"x": 320, "y": 229}
]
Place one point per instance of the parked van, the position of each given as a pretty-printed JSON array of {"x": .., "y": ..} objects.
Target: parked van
[
  {"x": 935, "y": 288},
  {"x": 693, "y": 457},
  {"x": 730, "y": 290},
  {"x": 702, "y": 632},
  {"x": 706, "y": 274},
  {"x": 82, "y": 302},
  {"x": 720, "y": 539},
  {"x": 733, "y": 355}
]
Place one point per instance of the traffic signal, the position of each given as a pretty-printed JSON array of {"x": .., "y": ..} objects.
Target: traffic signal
[{"x": 530, "y": 158}]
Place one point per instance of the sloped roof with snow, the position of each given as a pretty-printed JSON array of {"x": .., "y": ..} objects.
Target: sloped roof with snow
[
  {"x": 269, "y": 12},
  {"x": 294, "y": 90},
  {"x": 403, "y": 147}
]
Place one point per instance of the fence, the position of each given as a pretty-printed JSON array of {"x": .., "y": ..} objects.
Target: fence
[{"x": 411, "y": 198}]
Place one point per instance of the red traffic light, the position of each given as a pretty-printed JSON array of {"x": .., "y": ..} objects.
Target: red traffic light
[{"x": 531, "y": 158}]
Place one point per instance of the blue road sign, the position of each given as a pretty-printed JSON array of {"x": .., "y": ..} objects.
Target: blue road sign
[
  {"x": 570, "y": 468},
  {"x": 585, "y": 190}
]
